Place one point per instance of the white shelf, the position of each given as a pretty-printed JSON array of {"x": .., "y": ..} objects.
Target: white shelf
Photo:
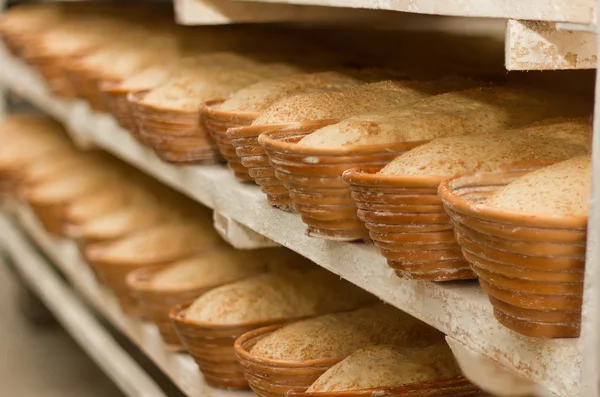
[
  {"x": 534, "y": 45},
  {"x": 180, "y": 367},
  {"x": 461, "y": 310},
  {"x": 576, "y": 11}
]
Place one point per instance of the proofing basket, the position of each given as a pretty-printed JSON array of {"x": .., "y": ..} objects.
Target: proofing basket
[
  {"x": 254, "y": 157},
  {"x": 276, "y": 378},
  {"x": 52, "y": 68},
  {"x": 177, "y": 136},
  {"x": 217, "y": 122},
  {"x": 155, "y": 304},
  {"x": 454, "y": 387},
  {"x": 313, "y": 176},
  {"x": 531, "y": 265},
  {"x": 115, "y": 98},
  {"x": 406, "y": 220},
  {"x": 113, "y": 274},
  {"x": 86, "y": 85},
  {"x": 212, "y": 346}
]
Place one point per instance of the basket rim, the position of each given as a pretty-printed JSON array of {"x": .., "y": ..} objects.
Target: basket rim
[
  {"x": 485, "y": 212},
  {"x": 136, "y": 98},
  {"x": 211, "y": 110},
  {"x": 245, "y": 354},
  {"x": 369, "y": 176},
  {"x": 276, "y": 140},
  {"x": 256, "y": 130}
]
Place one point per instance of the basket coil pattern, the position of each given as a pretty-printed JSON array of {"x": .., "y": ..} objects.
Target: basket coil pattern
[
  {"x": 254, "y": 157},
  {"x": 531, "y": 266},
  {"x": 406, "y": 220},
  {"x": 217, "y": 123},
  {"x": 313, "y": 177},
  {"x": 176, "y": 136},
  {"x": 53, "y": 71},
  {"x": 212, "y": 347},
  {"x": 118, "y": 105}
]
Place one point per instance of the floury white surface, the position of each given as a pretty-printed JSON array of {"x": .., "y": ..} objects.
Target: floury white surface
[{"x": 459, "y": 309}]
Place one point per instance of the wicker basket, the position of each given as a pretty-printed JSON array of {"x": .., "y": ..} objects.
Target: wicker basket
[
  {"x": 217, "y": 123},
  {"x": 176, "y": 136},
  {"x": 530, "y": 265},
  {"x": 53, "y": 70},
  {"x": 52, "y": 217},
  {"x": 212, "y": 347},
  {"x": 114, "y": 275},
  {"x": 277, "y": 378},
  {"x": 407, "y": 221},
  {"x": 86, "y": 86},
  {"x": 314, "y": 178}
]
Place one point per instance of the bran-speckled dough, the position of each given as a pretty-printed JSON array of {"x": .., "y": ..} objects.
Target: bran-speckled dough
[
  {"x": 120, "y": 223},
  {"x": 283, "y": 294},
  {"x": 555, "y": 141},
  {"x": 388, "y": 366},
  {"x": 257, "y": 97},
  {"x": 159, "y": 244},
  {"x": 190, "y": 90},
  {"x": 559, "y": 189},
  {"x": 455, "y": 113},
  {"x": 366, "y": 98},
  {"x": 222, "y": 266},
  {"x": 341, "y": 334}
]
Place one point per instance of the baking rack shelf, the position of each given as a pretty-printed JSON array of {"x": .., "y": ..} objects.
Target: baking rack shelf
[
  {"x": 576, "y": 11},
  {"x": 461, "y": 310},
  {"x": 179, "y": 367}
]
